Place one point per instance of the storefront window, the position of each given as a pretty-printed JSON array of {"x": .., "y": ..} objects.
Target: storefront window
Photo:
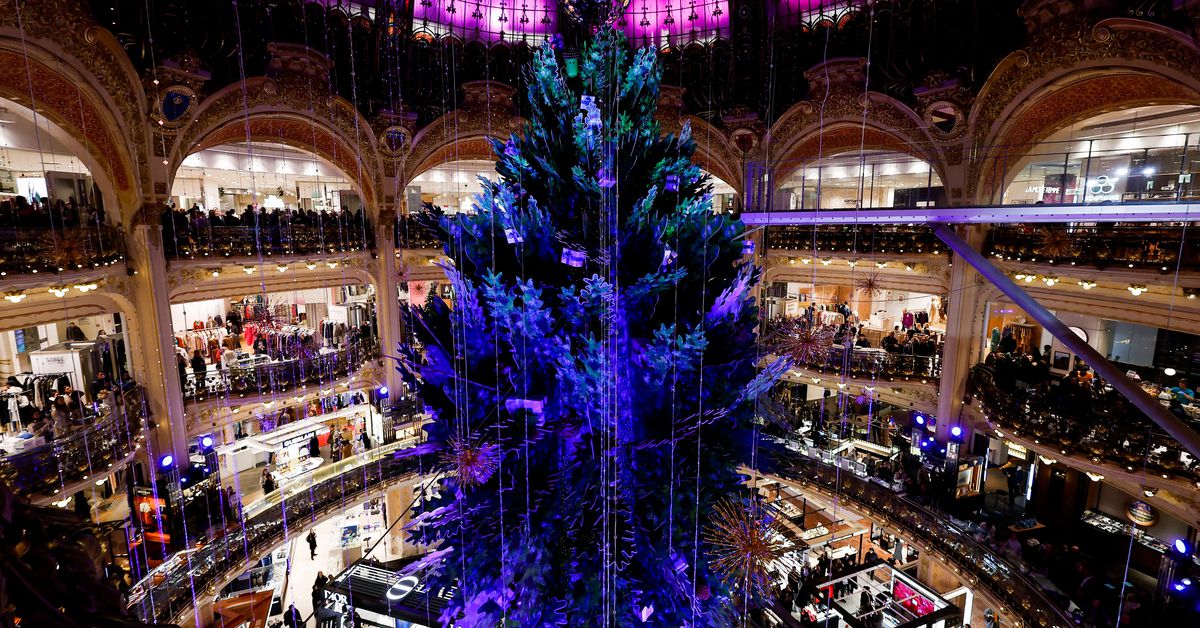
[
  {"x": 1145, "y": 154},
  {"x": 871, "y": 179}
]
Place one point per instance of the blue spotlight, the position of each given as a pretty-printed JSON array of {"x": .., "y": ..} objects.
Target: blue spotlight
[
  {"x": 1182, "y": 547},
  {"x": 920, "y": 419},
  {"x": 206, "y": 442},
  {"x": 956, "y": 431},
  {"x": 166, "y": 461},
  {"x": 382, "y": 392}
]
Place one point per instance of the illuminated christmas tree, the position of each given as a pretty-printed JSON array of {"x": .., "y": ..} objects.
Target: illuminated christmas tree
[{"x": 593, "y": 382}]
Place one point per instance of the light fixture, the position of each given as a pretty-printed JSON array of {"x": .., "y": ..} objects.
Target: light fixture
[
  {"x": 86, "y": 287},
  {"x": 806, "y": 260},
  {"x": 216, "y": 272},
  {"x": 880, "y": 264},
  {"x": 332, "y": 263},
  {"x": 268, "y": 405},
  {"x": 383, "y": 391},
  {"x": 1087, "y": 284},
  {"x": 1168, "y": 371},
  {"x": 1181, "y": 546},
  {"x": 1046, "y": 460},
  {"x": 825, "y": 261},
  {"x": 1050, "y": 280},
  {"x": 282, "y": 268},
  {"x": 1148, "y": 171},
  {"x": 310, "y": 265},
  {"x": 249, "y": 270},
  {"x": 1190, "y": 292},
  {"x": 909, "y": 266},
  {"x": 841, "y": 385},
  {"x": 920, "y": 419},
  {"x": 1137, "y": 290},
  {"x": 853, "y": 263},
  {"x": 1095, "y": 477},
  {"x": 60, "y": 291},
  {"x": 792, "y": 261},
  {"x": 166, "y": 461},
  {"x": 1030, "y": 278},
  {"x": 15, "y": 297},
  {"x": 816, "y": 380},
  {"x": 1019, "y": 276},
  {"x": 869, "y": 389},
  {"x": 206, "y": 441},
  {"x": 1149, "y": 491}
]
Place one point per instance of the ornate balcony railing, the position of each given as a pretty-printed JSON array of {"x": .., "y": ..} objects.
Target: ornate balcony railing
[
  {"x": 411, "y": 234},
  {"x": 88, "y": 451},
  {"x": 205, "y": 241},
  {"x": 172, "y": 589},
  {"x": 859, "y": 239},
  {"x": 283, "y": 376},
  {"x": 1108, "y": 431},
  {"x": 45, "y": 250},
  {"x": 979, "y": 565},
  {"x": 1160, "y": 248},
  {"x": 876, "y": 364}
]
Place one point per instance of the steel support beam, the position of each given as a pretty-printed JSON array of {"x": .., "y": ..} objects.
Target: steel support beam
[
  {"x": 1128, "y": 212},
  {"x": 1134, "y": 393}
]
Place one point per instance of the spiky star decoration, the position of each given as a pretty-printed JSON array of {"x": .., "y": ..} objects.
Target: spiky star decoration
[
  {"x": 67, "y": 249},
  {"x": 869, "y": 285},
  {"x": 1055, "y": 243},
  {"x": 745, "y": 543},
  {"x": 473, "y": 464},
  {"x": 803, "y": 343}
]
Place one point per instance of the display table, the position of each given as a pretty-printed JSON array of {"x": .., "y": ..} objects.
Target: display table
[
  {"x": 308, "y": 465},
  {"x": 10, "y": 445}
]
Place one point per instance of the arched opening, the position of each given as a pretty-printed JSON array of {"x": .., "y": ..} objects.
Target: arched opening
[
  {"x": 52, "y": 210},
  {"x": 1141, "y": 154},
  {"x": 876, "y": 178},
  {"x": 260, "y": 198}
]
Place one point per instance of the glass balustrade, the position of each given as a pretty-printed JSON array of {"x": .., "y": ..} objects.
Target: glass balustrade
[{"x": 282, "y": 376}]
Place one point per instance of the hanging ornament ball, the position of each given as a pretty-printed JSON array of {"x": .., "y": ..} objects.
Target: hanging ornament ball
[{"x": 595, "y": 13}]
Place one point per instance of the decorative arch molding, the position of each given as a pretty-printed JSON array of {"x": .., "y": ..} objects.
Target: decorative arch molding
[
  {"x": 1072, "y": 70},
  {"x": 933, "y": 281},
  {"x": 282, "y": 110},
  {"x": 43, "y": 311},
  {"x": 186, "y": 288},
  {"x": 81, "y": 111},
  {"x": 458, "y": 135},
  {"x": 1116, "y": 306},
  {"x": 801, "y": 134}
]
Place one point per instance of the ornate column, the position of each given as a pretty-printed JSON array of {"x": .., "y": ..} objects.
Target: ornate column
[
  {"x": 386, "y": 271},
  {"x": 961, "y": 332},
  {"x": 156, "y": 370}
]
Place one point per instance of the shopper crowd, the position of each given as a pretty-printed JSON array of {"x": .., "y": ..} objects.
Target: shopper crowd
[
  {"x": 256, "y": 230},
  {"x": 19, "y": 213}
]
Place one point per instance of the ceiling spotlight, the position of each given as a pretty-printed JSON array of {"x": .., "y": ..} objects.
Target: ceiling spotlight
[
  {"x": 15, "y": 297},
  {"x": 1029, "y": 278},
  {"x": 1087, "y": 284},
  {"x": 825, "y": 261},
  {"x": 332, "y": 263},
  {"x": 1019, "y": 276},
  {"x": 216, "y": 272},
  {"x": 1050, "y": 281},
  {"x": 60, "y": 291},
  {"x": 310, "y": 265},
  {"x": 1137, "y": 289},
  {"x": 249, "y": 270},
  {"x": 282, "y": 268},
  {"x": 1168, "y": 371}
]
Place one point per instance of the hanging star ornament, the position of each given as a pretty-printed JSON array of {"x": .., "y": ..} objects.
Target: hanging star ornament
[
  {"x": 869, "y": 285},
  {"x": 473, "y": 464},
  {"x": 66, "y": 250},
  {"x": 801, "y": 342},
  {"x": 745, "y": 542},
  {"x": 1055, "y": 243}
]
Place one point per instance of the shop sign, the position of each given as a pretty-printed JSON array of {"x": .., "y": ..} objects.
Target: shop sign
[
  {"x": 402, "y": 588},
  {"x": 1141, "y": 513}
]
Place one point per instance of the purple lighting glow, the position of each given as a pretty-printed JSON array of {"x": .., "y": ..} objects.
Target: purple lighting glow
[{"x": 489, "y": 20}]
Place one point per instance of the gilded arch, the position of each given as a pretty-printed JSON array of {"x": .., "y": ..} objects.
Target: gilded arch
[
  {"x": 1072, "y": 71},
  {"x": 283, "y": 110},
  {"x": 86, "y": 120}
]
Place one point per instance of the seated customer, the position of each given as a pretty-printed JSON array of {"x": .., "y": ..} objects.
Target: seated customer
[{"x": 1183, "y": 394}]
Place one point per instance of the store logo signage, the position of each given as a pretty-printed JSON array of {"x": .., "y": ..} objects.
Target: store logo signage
[
  {"x": 402, "y": 588},
  {"x": 1141, "y": 513}
]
